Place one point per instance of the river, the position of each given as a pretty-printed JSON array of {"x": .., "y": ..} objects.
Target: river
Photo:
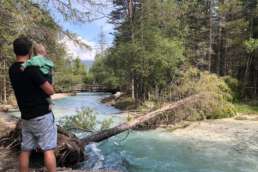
[{"x": 155, "y": 150}]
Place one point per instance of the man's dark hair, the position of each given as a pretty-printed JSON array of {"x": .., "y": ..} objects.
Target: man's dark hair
[{"x": 22, "y": 46}]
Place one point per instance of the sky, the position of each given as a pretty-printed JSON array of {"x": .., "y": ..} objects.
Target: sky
[{"x": 88, "y": 32}]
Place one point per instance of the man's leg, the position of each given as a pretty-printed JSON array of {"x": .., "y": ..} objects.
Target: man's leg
[
  {"x": 47, "y": 134},
  {"x": 50, "y": 160},
  {"x": 27, "y": 144},
  {"x": 24, "y": 161}
]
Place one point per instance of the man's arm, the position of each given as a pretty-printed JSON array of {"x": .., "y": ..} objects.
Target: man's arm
[{"x": 47, "y": 88}]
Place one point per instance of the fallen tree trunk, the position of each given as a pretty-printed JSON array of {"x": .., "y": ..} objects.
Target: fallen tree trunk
[{"x": 105, "y": 134}]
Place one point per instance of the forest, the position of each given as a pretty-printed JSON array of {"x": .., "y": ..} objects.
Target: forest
[
  {"x": 156, "y": 42},
  {"x": 30, "y": 19}
]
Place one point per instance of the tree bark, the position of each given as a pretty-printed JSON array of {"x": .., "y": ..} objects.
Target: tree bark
[
  {"x": 132, "y": 89},
  {"x": 210, "y": 38},
  {"x": 246, "y": 74},
  {"x": 130, "y": 16},
  {"x": 4, "y": 83}
]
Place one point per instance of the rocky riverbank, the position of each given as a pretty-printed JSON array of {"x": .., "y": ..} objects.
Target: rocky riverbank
[{"x": 241, "y": 135}]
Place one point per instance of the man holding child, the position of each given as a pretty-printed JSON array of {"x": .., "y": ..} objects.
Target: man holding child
[{"x": 31, "y": 79}]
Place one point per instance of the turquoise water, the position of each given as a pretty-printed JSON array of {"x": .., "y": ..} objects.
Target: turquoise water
[{"x": 155, "y": 150}]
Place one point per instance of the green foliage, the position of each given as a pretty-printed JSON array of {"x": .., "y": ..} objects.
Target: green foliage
[
  {"x": 68, "y": 74},
  {"x": 148, "y": 51},
  {"x": 78, "y": 67},
  {"x": 247, "y": 108},
  {"x": 85, "y": 120},
  {"x": 105, "y": 124},
  {"x": 251, "y": 45},
  {"x": 101, "y": 73},
  {"x": 26, "y": 18},
  {"x": 216, "y": 101},
  {"x": 234, "y": 85},
  {"x": 89, "y": 78}
]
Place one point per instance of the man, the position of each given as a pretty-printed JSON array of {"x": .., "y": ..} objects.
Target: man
[{"x": 31, "y": 90}]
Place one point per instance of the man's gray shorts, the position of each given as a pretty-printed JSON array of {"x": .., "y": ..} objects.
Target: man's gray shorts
[{"x": 39, "y": 132}]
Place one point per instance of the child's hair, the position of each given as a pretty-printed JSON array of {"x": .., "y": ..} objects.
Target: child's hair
[{"x": 39, "y": 49}]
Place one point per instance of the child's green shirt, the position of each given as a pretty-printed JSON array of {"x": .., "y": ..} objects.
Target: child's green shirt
[{"x": 45, "y": 64}]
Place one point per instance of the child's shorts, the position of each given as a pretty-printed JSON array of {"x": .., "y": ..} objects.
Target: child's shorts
[{"x": 39, "y": 132}]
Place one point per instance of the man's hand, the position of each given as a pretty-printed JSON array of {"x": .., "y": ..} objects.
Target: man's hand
[{"x": 47, "y": 88}]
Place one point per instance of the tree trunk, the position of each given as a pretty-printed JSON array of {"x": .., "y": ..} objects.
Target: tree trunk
[
  {"x": 221, "y": 43},
  {"x": 130, "y": 16},
  {"x": 132, "y": 89},
  {"x": 102, "y": 135},
  {"x": 246, "y": 75},
  {"x": 220, "y": 62},
  {"x": 4, "y": 83},
  {"x": 210, "y": 38}
]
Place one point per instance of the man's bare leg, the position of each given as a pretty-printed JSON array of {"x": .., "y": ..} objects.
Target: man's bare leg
[
  {"x": 24, "y": 161},
  {"x": 50, "y": 160}
]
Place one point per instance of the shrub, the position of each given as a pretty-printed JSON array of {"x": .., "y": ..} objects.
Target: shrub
[
  {"x": 234, "y": 86},
  {"x": 217, "y": 99},
  {"x": 85, "y": 120},
  {"x": 106, "y": 123}
]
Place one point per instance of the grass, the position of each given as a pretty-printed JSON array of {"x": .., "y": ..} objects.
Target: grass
[{"x": 247, "y": 108}]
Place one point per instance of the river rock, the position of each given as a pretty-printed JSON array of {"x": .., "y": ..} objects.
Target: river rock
[{"x": 117, "y": 94}]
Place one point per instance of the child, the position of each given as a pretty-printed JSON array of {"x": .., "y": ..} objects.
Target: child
[{"x": 43, "y": 62}]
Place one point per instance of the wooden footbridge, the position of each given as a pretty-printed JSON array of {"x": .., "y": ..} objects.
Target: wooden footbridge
[{"x": 93, "y": 88}]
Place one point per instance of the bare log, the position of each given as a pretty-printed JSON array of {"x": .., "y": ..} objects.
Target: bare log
[{"x": 105, "y": 134}]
